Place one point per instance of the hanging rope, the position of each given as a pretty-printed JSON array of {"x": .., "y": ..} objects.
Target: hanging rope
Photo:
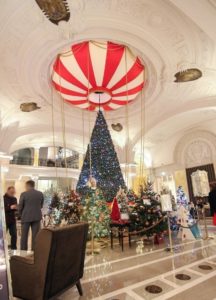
[
  {"x": 64, "y": 133},
  {"x": 135, "y": 232},
  {"x": 53, "y": 131},
  {"x": 83, "y": 130},
  {"x": 127, "y": 123},
  {"x": 141, "y": 141},
  {"x": 143, "y": 131},
  {"x": 89, "y": 118}
]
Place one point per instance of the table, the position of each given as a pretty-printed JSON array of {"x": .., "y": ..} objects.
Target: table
[{"x": 122, "y": 227}]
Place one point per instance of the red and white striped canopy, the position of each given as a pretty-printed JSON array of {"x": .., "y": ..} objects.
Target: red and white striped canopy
[{"x": 95, "y": 75}]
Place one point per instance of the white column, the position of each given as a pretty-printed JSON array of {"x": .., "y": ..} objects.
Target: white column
[
  {"x": 51, "y": 153},
  {"x": 36, "y": 156},
  {"x": 4, "y": 274}
]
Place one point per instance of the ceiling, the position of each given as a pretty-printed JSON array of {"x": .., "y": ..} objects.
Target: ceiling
[{"x": 168, "y": 35}]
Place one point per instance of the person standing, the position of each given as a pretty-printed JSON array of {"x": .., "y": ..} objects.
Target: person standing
[
  {"x": 10, "y": 205},
  {"x": 212, "y": 201},
  {"x": 30, "y": 205}
]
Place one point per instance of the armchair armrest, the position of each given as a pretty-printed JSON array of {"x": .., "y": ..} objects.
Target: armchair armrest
[
  {"x": 24, "y": 274},
  {"x": 24, "y": 259}
]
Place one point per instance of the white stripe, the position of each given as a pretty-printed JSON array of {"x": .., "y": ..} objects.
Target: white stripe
[
  {"x": 170, "y": 283},
  {"x": 113, "y": 105},
  {"x": 122, "y": 68},
  {"x": 73, "y": 67},
  {"x": 84, "y": 105},
  {"x": 66, "y": 84},
  {"x": 98, "y": 59},
  {"x": 72, "y": 98},
  {"x": 125, "y": 98},
  {"x": 194, "y": 272},
  {"x": 134, "y": 295},
  {"x": 130, "y": 85},
  {"x": 97, "y": 108}
]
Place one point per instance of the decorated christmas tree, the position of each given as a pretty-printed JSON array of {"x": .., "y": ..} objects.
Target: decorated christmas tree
[
  {"x": 55, "y": 210},
  {"x": 147, "y": 214},
  {"x": 132, "y": 197},
  {"x": 96, "y": 213},
  {"x": 101, "y": 162},
  {"x": 181, "y": 197},
  {"x": 64, "y": 208},
  {"x": 71, "y": 208}
]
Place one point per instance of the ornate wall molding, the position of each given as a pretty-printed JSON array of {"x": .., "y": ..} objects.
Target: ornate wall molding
[{"x": 196, "y": 148}]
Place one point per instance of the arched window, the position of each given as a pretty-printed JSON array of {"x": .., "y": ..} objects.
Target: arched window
[{"x": 23, "y": 157}]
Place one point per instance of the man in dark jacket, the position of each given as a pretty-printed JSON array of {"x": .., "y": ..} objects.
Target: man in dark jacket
[
  {"x": 30, "y": 205},
  {"x": 212, "y": 198},
  {"x": 10, "y": 205}
]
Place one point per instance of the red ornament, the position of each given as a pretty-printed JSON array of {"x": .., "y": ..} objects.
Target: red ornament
[{"x": 115, "y": 214}]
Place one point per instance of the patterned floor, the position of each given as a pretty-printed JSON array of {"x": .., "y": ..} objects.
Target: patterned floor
[
  {"x": 117, "y": 275},
  {"x": 114, "y": 275}
]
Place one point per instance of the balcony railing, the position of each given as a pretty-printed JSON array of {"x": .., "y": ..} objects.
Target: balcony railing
[
  {"x": 22, "y": 161},
  {"x": 71, "y": 162}
]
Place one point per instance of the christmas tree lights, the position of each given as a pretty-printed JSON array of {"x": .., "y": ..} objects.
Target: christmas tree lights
[{"x": 101, "y": 162}]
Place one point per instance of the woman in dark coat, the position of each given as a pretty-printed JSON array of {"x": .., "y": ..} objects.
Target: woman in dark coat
[{"x": 212, "y": 198}]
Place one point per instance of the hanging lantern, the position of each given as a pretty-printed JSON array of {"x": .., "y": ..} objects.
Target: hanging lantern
[{"x": 98, "y": 75}]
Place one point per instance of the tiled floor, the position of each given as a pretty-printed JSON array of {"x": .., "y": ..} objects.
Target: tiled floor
[
  {"x": 114, "y": 275},
  {"x": 117, "y": 275}
]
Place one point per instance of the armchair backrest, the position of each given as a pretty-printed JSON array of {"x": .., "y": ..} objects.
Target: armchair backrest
[{"x": 66, "y": 258}]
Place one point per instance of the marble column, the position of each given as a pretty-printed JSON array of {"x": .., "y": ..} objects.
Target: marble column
[{"x": 36, "y": 157}]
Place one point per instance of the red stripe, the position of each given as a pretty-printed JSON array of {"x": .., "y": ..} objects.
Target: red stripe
[
  {"x": 107, "y": 107},
  {"x": 134, "y": 71},
  {"x": 113, "y": 58},
  {"x": 91, "y": 107},
  {"x": 130, "y": 92},
  {"x": 123, "y": 102},
  {"x": 76, "y": 102},
  {"x": 61, "y": 70},
  {"x": 83, "y": 58},
  {"x": 66, "y": 91}
]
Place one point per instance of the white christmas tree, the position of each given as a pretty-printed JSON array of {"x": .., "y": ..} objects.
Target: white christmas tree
[
  {"x": 185, "y": 220},
  {"x": 181, "y": 197}
]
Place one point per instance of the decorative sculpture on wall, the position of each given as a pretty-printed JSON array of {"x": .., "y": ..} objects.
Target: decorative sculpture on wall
[
  {"x": 200, "y": 183},
  {"x": 29, "y": 106},
  {"x": 188, "y": 75},
  {"x": 197, "y": 153},
  {"x": 55, "y": 10},
  {"x": 117, "y": 127}
]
